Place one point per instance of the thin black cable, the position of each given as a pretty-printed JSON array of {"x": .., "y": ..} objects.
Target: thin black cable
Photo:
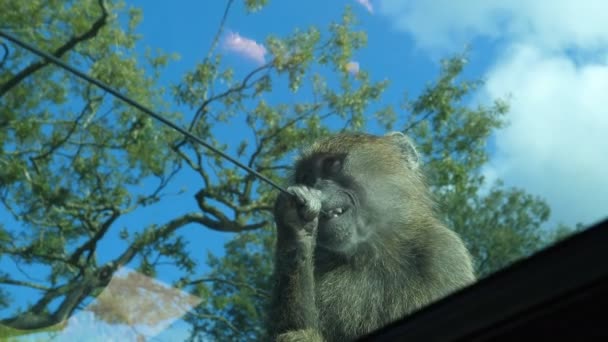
[{"x": 137, "y": 105}]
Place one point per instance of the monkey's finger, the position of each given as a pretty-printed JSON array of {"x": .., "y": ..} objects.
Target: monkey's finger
[
  {"x": 311, "y": 209},
  {"x": 304, "y": 195},
  {"x": 299, "y": 194},
  {"x": 309, "y": 200}
]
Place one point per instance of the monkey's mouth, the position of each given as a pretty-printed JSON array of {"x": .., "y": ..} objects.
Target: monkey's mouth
[{"x": 333, "y": 213}]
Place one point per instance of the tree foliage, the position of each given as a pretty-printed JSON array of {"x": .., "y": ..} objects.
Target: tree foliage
[{"x": 75, "y": 161}]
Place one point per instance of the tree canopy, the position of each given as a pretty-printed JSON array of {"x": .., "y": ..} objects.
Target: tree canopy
[{"x": 75, "y": 163}]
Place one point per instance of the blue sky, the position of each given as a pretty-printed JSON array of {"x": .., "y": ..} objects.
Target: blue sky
[
  {"x": 551, "y": 61},
  {"x": 551, "y": 57},
  {"x": 189, "y": 29}
]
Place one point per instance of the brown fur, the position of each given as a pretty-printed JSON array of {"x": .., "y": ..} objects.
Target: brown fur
[{"x": 383, "y": 257}]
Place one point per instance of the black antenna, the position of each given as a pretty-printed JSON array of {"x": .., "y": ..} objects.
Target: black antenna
[{"x": 137, "y": 105}]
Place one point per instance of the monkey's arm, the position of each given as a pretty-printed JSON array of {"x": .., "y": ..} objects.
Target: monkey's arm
[
  {"x": 294, "y": 299},
  {"x": 293, "y": 305}
]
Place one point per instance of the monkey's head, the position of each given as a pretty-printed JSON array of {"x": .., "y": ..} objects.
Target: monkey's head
[{"x": 370, "y": 185}]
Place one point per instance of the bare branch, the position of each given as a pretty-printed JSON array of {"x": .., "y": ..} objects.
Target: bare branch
[
  {"x": 156, "y": 195},
  {"x": 209, "y": 193},
  {"x": 274, "y": 134},
  {"x": 223, "y": 223},
  {"x": 4, "y": 55},
  {"x": 417, "y": 122},
  {"x": 218, "y": 318},
  {"x": 9, "y": 281},
  {"x": 244, "y": 85},
  {"x": 92, "y": 242},
  {"x": 153, "y": 235},
  {"x": 220, "y": 29}
]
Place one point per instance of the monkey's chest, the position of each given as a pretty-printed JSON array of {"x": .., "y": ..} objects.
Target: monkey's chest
[{"x": 353, "y": 304}]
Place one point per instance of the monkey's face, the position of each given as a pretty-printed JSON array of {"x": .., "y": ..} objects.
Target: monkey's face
[
  {"x": 340, "y": 199},
  {"x": 365, "y": 183}
]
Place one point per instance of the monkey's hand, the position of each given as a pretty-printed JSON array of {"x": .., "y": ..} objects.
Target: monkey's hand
[{"x": 297, "y": 214}]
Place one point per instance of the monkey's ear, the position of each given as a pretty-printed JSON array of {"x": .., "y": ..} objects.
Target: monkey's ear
[{"x": 406, "y": 146}]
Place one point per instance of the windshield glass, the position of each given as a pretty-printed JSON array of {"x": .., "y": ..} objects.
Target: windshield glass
[{"x": 388, "y": 153}]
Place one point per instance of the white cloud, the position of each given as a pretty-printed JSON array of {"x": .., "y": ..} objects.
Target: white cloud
[
  {"x": 245, "y": 47},
  {"x": 556, "y": 144},
  {"x": 553, "y": 60},
  {"x": 554, "y": 24},
  {"x": 367, "y": 4}
]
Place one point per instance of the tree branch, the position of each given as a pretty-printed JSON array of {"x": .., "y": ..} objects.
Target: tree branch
[
  {"x": 59, "y": 52},
  {"x": 74, "y": 291},
  {"x": 244, "y": 85},
  {"x": 73, "y": 126},
  {"x": 220, "y": 29},
  {"x": 9, "y": 281},
  {"x": 92, "y": 242},
  {"x": 152, "y": 235},
  {"x": 417, "y": 122},
  {"x": 274, "y": 134},
  {"x": 217, "y": 318},
  {"x": 236, "y": 284},
  {"x": 4, "y": 55}
]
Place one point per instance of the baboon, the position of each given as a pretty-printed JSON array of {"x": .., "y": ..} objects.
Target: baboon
[{"x": 358, "y": 242}]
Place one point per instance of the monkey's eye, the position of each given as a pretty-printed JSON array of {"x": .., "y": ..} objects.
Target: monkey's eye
[
  {"x": 306, "y": 178},
  {"x": 304, "y": 175},
  {"x": 331, "y": 165}
]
